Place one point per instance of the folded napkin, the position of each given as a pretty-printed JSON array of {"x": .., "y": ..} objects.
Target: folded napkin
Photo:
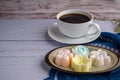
[{"x": 106, "y": 40}]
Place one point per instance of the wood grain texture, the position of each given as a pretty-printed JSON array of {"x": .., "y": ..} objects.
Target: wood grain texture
[
  {"x": 36, "y": 29},
  {"x": 24, "y": 44},
  {"x": 27, "y": 9}
]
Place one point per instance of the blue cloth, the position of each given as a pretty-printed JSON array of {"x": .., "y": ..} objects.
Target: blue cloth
[{"x": 106, "y": 40}]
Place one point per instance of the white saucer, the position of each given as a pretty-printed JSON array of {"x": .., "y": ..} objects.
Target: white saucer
[{"x": 56, "y": 35}]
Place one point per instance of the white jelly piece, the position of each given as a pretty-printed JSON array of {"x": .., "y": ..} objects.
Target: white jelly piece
[
  {"x": 99, "y": 61},
  {"x": 107, "y": 60}
]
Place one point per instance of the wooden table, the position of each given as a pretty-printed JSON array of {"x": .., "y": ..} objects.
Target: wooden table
[
  {"x": 24, "y": 44},
  {"x": 37, "y": 9}
]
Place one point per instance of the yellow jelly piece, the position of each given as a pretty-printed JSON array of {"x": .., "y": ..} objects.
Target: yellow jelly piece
[
  {"x": 90, "y": 63},
  {"x": 81, "y": 63},
  {"x": 85, "y": 68},
  {"x": 75, "y": 65}
]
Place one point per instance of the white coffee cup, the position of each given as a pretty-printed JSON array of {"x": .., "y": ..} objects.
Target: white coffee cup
[{"x": 76, "y": 30}]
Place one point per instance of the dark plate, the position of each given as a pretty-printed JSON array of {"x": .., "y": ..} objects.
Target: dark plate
[{"x": 49, "y": 58}]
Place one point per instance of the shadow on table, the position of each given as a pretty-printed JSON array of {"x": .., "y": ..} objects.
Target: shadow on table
[{"x": 44, "y": 66}]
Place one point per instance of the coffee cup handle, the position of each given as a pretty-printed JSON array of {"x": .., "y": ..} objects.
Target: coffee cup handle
[{"x": 95, "y": 25}]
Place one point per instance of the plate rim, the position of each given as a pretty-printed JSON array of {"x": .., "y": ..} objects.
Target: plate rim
[{"x": 97, "y": 72}]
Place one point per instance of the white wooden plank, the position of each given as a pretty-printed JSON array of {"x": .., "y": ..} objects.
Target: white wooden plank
[
  {"x": 25, "y": 29},
  {"x": 24, "y": 53},
  {"x": 28, "y": 45},
  {"x": 27, "y": 64},
  {"x": 35, "y": 29},
  {"x": 106, "y": 26},
  {"x": 26, "y": 22},
  {"x": 23, "y": 68}
]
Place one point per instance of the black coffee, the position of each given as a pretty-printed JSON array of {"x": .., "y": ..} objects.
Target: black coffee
[{"x": 74, "y": 18}]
